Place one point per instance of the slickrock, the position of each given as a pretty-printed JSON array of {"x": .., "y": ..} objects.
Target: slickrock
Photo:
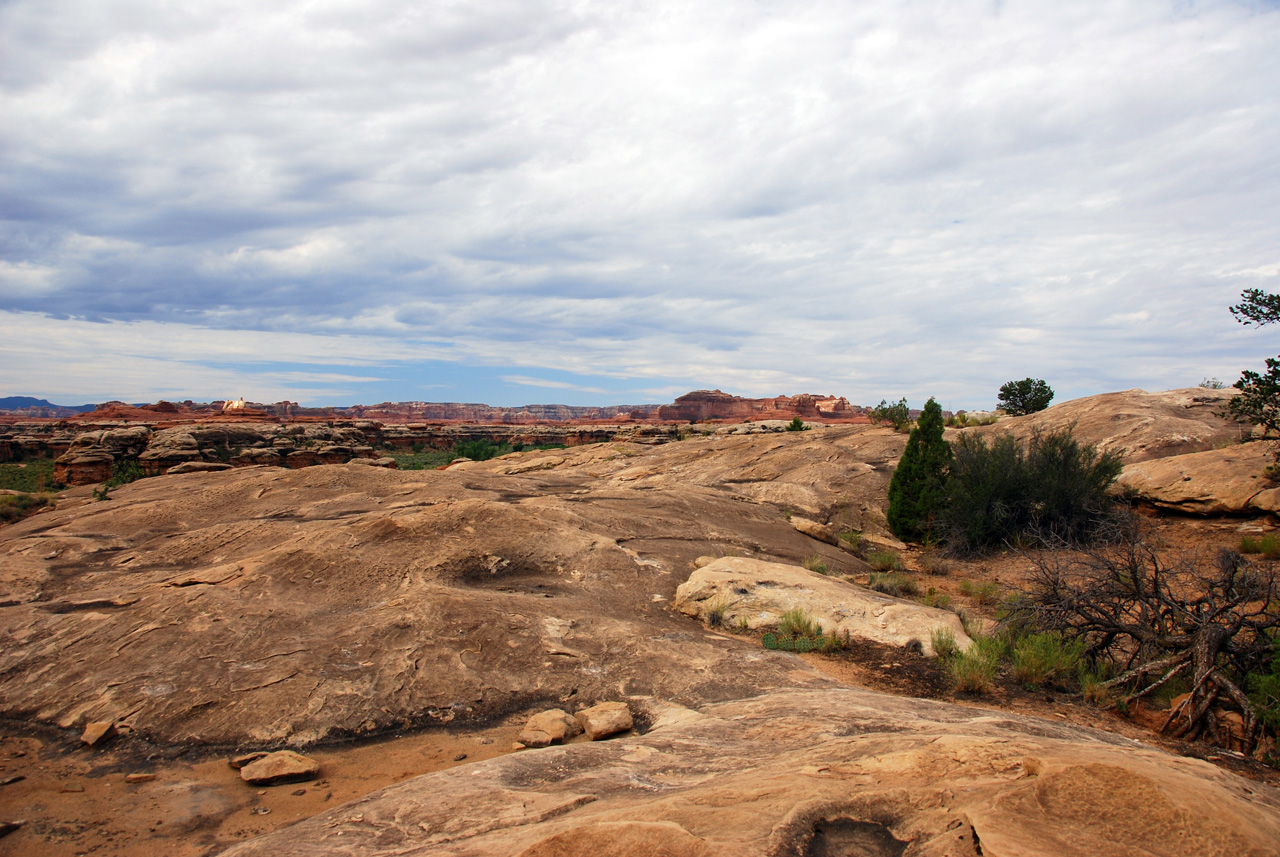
[
  {"x": 1228, "y": 481},
  {"x": 756, "y": 593},
  {"x": 605, "y": 719},
  {"x": 282, "y": 766},
  {"x": 833, "y": 771}
]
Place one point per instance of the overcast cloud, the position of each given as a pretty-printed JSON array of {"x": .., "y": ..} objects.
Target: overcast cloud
[{"x": 617, "y": 202}]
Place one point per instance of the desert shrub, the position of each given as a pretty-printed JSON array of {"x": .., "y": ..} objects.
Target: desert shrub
[
  {"x": 974, "y": 670},
  {"x": 479, "y": 450},
  {"x": 1024, "y": 397},
  {"x": 123, "y": 473},
  {"x": 1054, "y": 492},
  {"x": 715, "y": 612},
  {"x": 797, "y": 424},
  {"x": 898, "y": 414},
  {"x": 917, "y": 490},
  {"x": 1045, "y": 657},
  {"x": 14, "y": 507},
  {"x": 883, "y": 559},
  {"x": 983, "y": 592},
  {"x": 797, "y": 622},
  {"x": 1264, "y": 690},
  {"x": 853, "y": 539},
  {"x": 1268, "y": 545},
  {"x": 932, "y": 563},
  {"x": 893, "y": 583},
  {"x": 944, "y": 642},
  {"x": 31, "y": 476},
  {"x": 934, "y": 598},
  {"x": 817, "y": 563},
  {"x": 1212, "y": 384}
]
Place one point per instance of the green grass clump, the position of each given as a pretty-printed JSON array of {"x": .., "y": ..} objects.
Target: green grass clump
[
  {"x": 797, "y": 622},
  {"x": 934, "y": 598},
  {"x": 932, "y": 563},
  {"x": 944, "y": 642},
  {"x": 883, "y": 559},
  {"x": 1268, "y": 545},
  {"x": 818, "y": 564},
  {"x": 1045, "y": 658},
  {"x": 853, "y": 539},
  {"x": 974, "y": 671},
  {"x": 893, "y": 583},
  {"x": 983, "y": 593}
]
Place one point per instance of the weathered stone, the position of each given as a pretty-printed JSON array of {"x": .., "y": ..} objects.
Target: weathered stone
[
  {"x": 282, "y": 766},
  {"x": 549, "y": 727},
  {"x": 240, "y": 761},
  {"x": 134, "y": 779},
  {"x": 605, "y": 719},
  {"x": 757, "y": 593},
  {"x": 97, "y": 732},
  {"x": 814, "y": 530},
  {"x": 199, "y": 467},
  {"x": 1227, "y": 481}
]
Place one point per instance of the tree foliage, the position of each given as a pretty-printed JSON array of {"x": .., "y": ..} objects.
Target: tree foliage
[
  {"x": 1155, "y": 620},
  {"x": 1259, "y": 400},
  {"x": 1257, "y": 307},
  {"x": 918, "y": 488},
  {"x": 1055, "y": 490},
  {"x": 898, "y": 413},
  {"x": 1024, "y": 397}
]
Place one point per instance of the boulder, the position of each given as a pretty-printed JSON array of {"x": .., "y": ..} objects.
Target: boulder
[
  {"x": 1227, "y": 481},
  {"x": 282, "y": 766},
  {"x": 84, "y": 466},
  {"x": 549, "y": 727},
  {"x": 97, "y": 732},
  {"x": 755, "y": 594},
  {"x": 605, "y": 719},
  {"x": 814, "y": 530}
]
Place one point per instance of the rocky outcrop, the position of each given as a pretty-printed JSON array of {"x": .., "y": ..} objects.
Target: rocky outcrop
[
  {"x": 755, "y": 594},
  {"x": 702, "y": 405},
  {"x": 1135, "y": 423},
  {"x": 1229, "y": 481},
  {"x": 820, "y": 771}
]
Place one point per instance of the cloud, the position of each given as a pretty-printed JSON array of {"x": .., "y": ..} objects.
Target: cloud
[{"x": 875, "y": 200}]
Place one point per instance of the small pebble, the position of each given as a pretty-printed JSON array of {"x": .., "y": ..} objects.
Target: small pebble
[
  {"x": 460, "y": 757},
  {"x": 299, "y": 792},
  {"x": 139, "y": 778},
  {"x": 259, "y": 810}
]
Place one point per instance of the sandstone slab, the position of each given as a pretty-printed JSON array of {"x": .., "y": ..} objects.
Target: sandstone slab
[
  {"x": 1227, "y": 481},
  {"x": 282, "y": 766},
  {"x": 757, "y": 593},
  {"x": 605, "y": 719},
  {"x": 549, "y": 727}
]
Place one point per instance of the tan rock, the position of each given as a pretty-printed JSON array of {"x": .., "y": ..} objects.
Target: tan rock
[
  {"x": 134, "y": 779},
  {"x": 549, "y": 727},
  {"x": 97, "y": 732},
  {"x": 1227, "y": 481},
  {"x": 757, "y": 593},
  {"x": 282, "y": 766},
  {"x": 605, "y": 719},
  {"x": 814, "y": 530}
]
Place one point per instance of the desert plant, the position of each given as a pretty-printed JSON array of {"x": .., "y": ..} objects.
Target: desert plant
[
  {"x": 1264, "y": 690},
  {"x": 934, "y": 598},
  {"x": 1044, "y": 657},
  {"x": 817, "y": 563},
  {"x": 883, "y": 559},
  {"x": 853, "y": 539},
  {"x": 893, "y": 583},
  {"x": 797, "y": 622},
  {"x": 898, "y": 415},
  {"x": 32, "y": 476},
  {"x": 769, "y": 640},
  {"x": 14, "y": 507},
  {"x": 1027, "y": 396},
  {"x": 715, "y": 612},
  {"x": 796, "y": 424},
  {"x": 974, "y": 670},
  {"x": 932, "y": 563},
  {"x": 983, "y": 592},
  {"x": 917, "y": 490},
  {"x": 1212, "y": 384},
  {"x": 1268, "y": 545},
  {"x": 944, "y": 642}
]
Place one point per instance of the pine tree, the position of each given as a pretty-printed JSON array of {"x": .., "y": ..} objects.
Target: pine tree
[{"x": 918, "y": 488}]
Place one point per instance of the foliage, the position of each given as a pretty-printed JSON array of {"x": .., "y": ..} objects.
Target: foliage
[
  {"x": 893, "y": 583},
  {"x": 1257, "y": 307},
  {"x": 974, "y": 670},
  {"x": 33, "y": 476},
  {"x": 1157, "y": 619},
  {"x": 898, "y": 414},
  {"x": 932, "y": 563},
  {"x": 1268, "y": 545},
  {"x": 1212, "y": 384},
  {"x": 817, "y": 563},
  {"x": 1055, "y": 491},
  {"x": 797, "y": 622},
  {"x": 853, "y": 539},
  {"x": 123, "y": 473},
  {"x": 1046, "y": 657},
  {"x": 715, "y": 612},
  {"x": 15, "y": 507},
  {"x": 480, "y": 450},
  {"x": 1024, "y": 397},
  {"x": 983, "y": 593},
  {"x": 1265, "y": 691},
  {"x": 917, "y": 490},
  {"x": 944, "y": 642},
  {"x": 797, "y": 424},
  {"x": 884, "y": 559},
  {"x": 1259, "y": 401},
  {"x": 934, "y": 598}
]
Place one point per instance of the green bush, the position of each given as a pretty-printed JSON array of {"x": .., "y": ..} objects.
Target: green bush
[
  {"x": 1055, "y": 491},
  {"x": 797, "y": 424},
  {"x": 1265, "y": 691},
  {"x": 944, "y": 642},
  {"x": 817, "y": 563},
  {"x": 1044, "y": 658},
  {"x": 32, "y": 476},
  {"x": 1268, "y": 545},
  {"x": 893, "y": 583},
  {"x": 797, "y": 622},
  {"x": 917, "y": 491},
  {"x": 974, "y": 670},
  {"x": 983, "y": 593},
  {"x": 14, "y": 507},
  {"x": 883, "y": 559},
  {"x": 934, "y": 598}
]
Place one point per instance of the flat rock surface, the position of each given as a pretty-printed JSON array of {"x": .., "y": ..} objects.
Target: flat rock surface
[
  {"x": 846, "y": 772},
  {"x": 1227, "y": 481}
]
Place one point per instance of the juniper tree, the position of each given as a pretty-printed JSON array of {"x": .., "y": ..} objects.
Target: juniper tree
[{"x": 918, "y": 488}]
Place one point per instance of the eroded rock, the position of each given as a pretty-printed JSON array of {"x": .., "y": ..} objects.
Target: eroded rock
[
  {"x": 282, "y": 766},
  {"x": 605, "y": 719},
  {"x": 549, "y": 727}
]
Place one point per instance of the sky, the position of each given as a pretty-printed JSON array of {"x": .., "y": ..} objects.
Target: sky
[{"x": 618, "y": 202}]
